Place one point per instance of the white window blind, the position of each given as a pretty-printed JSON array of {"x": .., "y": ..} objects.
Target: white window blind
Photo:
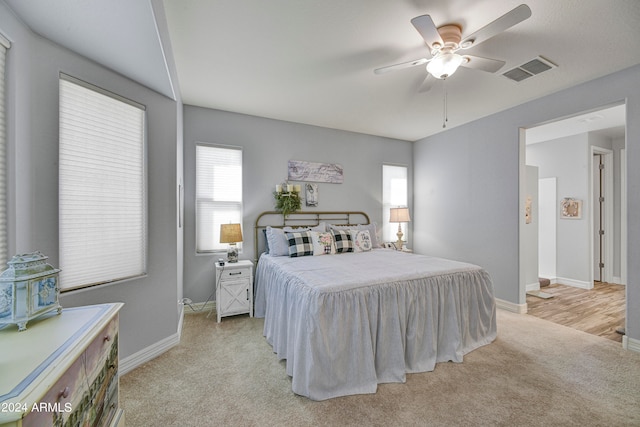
[
  {"x": 394, "y": 194},
  {"x": 4, "y": 256},
  {"x": 102, "y": 187},
  {"x": 218, "y": 194}
]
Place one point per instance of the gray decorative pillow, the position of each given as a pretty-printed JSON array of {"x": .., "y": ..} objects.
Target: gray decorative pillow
[
  {"x": 300, "y": 243},
  {"x": 343, "y": 242},
  {"x": 277, "y": 242}
]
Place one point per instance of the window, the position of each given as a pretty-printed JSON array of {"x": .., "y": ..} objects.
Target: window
[
  {"x": 4, "y": 256},
  {"x": 394, "y": 194},
  {"x": 102, "y": 186},
  {"x": 218, "y": 194}
]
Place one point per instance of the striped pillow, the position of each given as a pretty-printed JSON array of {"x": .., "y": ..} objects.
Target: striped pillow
[
  {"x": 343, "y": 242},
  {"x": 300, "y": 243}
]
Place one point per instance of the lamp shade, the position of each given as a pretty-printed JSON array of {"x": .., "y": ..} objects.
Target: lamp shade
[
  {"x": 399, "y": 215},
  {"x": 230, "y": 233}
]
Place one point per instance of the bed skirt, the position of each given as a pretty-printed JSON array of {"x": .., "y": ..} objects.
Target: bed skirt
[{"x": 348, "y": 341}]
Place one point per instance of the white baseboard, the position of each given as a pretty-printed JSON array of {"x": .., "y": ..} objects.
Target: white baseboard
[
  {"x": 631, "y": 344},
  {"x": 618, "y": 281},
  {"x": 552, "y": 277},
  {"x": 533, "y": 287},
  {"x": 197, "y": 307},
  {"x": 575, "y": 283},
  {"x": 149, "y": 353},
  {"x": 512, "y": 307}
]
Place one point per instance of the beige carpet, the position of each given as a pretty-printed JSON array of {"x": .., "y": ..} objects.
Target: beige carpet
[{"x": 535, "y": 374}]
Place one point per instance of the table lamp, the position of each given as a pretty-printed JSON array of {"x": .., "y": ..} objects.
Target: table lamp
[
  {"x": 231, "y": 234},
  {"x": 399, "y": 215}
]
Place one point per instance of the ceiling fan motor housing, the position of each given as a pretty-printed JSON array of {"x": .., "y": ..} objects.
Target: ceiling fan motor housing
[{"x": 451, "y": 35}]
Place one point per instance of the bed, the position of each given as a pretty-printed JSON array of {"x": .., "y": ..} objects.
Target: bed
[{"x": 346, "y": 322}]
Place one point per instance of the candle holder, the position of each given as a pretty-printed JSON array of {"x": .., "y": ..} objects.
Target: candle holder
[{"x": 287, "y": 198}]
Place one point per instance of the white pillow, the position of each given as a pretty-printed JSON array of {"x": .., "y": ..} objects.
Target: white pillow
[
  {"x": 323, "y": 243},
  {"x": 361, "y": 240}
]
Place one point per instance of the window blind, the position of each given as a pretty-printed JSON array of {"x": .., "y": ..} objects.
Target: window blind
[
  {"x": 394, "y": 194},
  {"x": 218, "y": 194},
  {"x": 102, "y": 187},
  {"x": 4, "y": 256}
]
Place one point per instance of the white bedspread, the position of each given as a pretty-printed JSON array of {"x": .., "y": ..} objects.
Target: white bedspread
[{"x": 348, "y": 322}]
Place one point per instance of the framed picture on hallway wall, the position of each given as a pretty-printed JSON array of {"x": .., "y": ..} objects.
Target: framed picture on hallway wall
[{"x": 571, "y": 208}]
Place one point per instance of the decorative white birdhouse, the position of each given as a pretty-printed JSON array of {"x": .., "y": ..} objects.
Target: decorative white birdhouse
[{"x": 28, "y": 288}]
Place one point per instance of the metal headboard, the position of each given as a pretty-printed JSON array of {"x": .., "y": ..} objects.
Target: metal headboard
[{"x": 303, "y": 219}]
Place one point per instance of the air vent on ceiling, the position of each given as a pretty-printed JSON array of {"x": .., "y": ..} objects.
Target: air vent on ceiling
[{"x": 529, "y": 69}]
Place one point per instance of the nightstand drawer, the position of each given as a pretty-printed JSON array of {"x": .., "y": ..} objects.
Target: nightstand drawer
[{"x": 235, "y": 273}]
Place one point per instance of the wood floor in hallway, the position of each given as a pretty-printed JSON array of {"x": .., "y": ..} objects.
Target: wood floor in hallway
[{"x": 598, "y": 311}]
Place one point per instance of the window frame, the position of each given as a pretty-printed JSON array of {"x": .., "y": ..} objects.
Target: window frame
[
  {"x": 5, "y": 45},
  {"x": 389, "y": 230},
  {"x": 222, "y": 249},
  {"x": 142, "y": 168}
]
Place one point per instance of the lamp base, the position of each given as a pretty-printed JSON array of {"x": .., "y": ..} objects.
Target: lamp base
[
  {"x": 232, "y": 253},
  {"x": 399, "y": 243}
]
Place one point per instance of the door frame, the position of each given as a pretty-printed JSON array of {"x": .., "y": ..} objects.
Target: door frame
[
  {"x": 623, "y": 215},
  {"x": 607, "y": 252}
]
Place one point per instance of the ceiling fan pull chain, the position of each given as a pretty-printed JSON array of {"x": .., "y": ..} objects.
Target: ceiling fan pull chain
[{"x": 445, "y": 117}]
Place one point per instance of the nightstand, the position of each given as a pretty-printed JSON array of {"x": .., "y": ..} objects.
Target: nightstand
[{"x": 234, "y": 288}]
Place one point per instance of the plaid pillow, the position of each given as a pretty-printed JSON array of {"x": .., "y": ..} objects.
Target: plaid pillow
[
  {"x": 342, "y": 239},
  {"x": 300, "y": 243}
]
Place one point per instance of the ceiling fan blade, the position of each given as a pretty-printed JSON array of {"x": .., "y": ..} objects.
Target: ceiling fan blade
[
  {"x": 484, "y": 64},
  {"x": 401, "y": 66},
  {"x": 427, "y": 29},
  {"x": 506, "y": 21}
]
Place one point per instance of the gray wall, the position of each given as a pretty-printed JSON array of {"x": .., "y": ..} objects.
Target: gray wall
[
  {"x": 466, "y": 199},
  {"x": 567, "y": 159},
  {"x": 150, "y": 313},
  {"x": 267, "y": 147},
  {"x": 466, "y": 203}
]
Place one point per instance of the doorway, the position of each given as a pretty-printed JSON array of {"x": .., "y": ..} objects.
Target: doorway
[{"x": 588, "y": 247}]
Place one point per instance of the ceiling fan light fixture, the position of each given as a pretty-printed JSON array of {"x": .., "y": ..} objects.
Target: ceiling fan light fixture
[{"x": 444, "y": 65}]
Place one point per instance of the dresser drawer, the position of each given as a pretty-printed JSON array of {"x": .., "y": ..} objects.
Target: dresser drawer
[
  {"x": 100, "y": 349},
  {"x": 77, "y": 385},
  {"x": 61, "y": 400}
]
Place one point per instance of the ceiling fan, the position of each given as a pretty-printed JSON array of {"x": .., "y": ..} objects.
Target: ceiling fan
[{"x": 446, "y": 41}]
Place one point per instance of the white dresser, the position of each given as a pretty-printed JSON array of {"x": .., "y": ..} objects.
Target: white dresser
[
  {"x": 234, "y": 288},
  {"x": 62, "y": 370}
]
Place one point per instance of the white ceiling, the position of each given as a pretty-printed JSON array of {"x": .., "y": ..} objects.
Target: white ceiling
[
  {"x": 312, "y": 62},
  {"x": 608, "y": 122},
  {"x": 119, "y": 34}
]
